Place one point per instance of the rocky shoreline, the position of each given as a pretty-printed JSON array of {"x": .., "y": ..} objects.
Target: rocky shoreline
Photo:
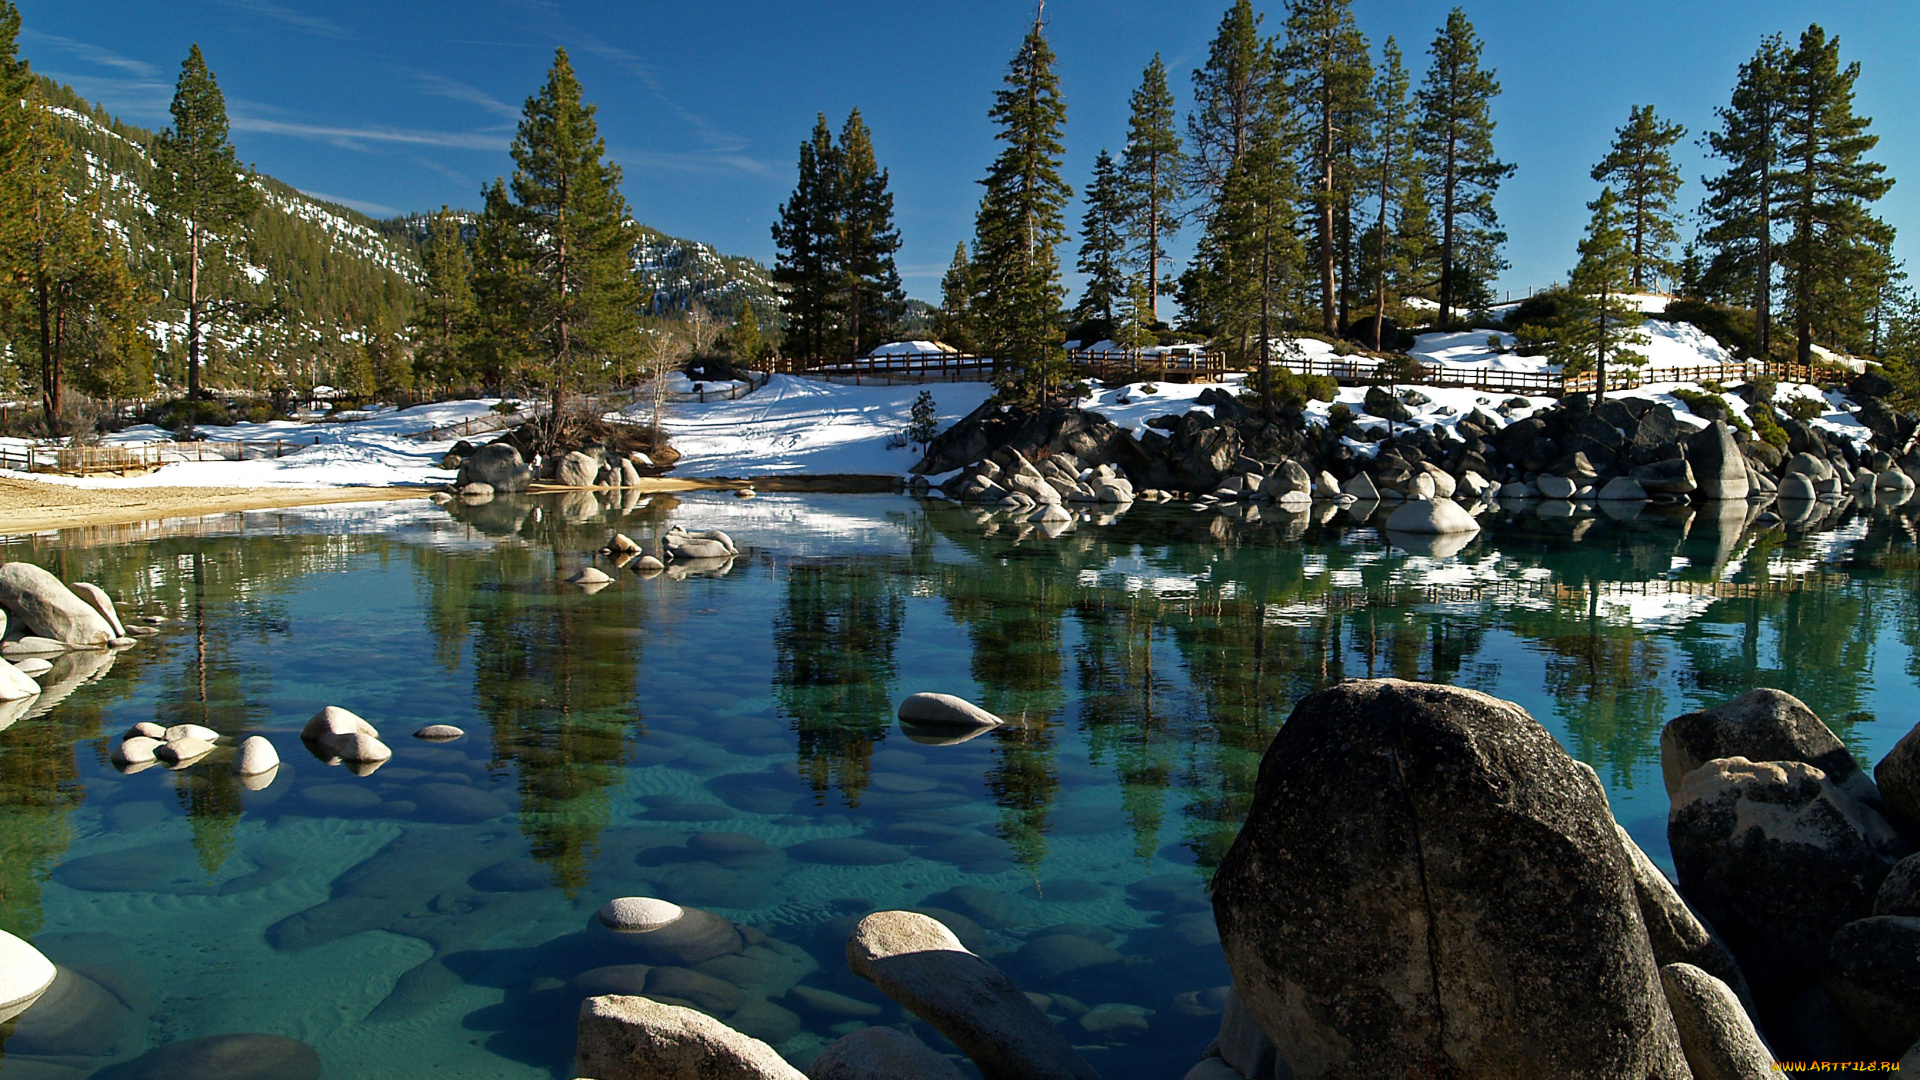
[
  {"x": 1576, "y": 451},
  {"x": 1429, "y": 885}
]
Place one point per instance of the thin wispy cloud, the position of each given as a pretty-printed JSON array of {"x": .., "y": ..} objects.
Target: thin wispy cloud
[
  {"x": 92, "y": 54},
  {"x": 299, "y": 20},
  {"x": 357, "y": 138},
  {"x": 371, "y": 209},
  {"x": 455, "y": 90}
]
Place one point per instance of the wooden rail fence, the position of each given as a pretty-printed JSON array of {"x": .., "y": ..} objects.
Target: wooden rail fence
[
  {"x": 1104, "y": 364},
  {"x": 138, "y": 457}
]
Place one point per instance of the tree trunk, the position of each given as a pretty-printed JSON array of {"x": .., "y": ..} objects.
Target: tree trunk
[
  {"x": 193, "y": 311},
  {"x": 1380, "y": 262},
  {"x": 1153, "y": 240},
  {"x": 1327, "y": 314},
  {"x": 49, "y": 360},
  {"x": 1447, "y": 182}
]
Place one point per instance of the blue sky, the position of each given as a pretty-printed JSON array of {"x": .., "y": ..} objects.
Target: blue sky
[{"x": 392, "y": 107}]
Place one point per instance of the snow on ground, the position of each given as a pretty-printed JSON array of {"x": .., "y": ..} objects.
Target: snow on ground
[
  {"x": 908, "y": 348},
  {"x": 800, "y": 426},
  {"x": 1668, "y": 346},
  {"x": 680, "y": 383}
]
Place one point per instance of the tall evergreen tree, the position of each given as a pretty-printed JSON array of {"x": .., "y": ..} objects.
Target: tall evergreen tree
[
  {"x": 1102, "y": 247},
  {"x": 1232, "y": 97},
  {"x": 446, "y": 304},
  {"x": 17, "y": 117},
  {"x": 199, "y": 188},
  {"x": 1596, "y": 325},
  {"x": 1391, "y": 171},
  {"x": 1152, "y": 172},
  {"x": 1640, "y": 168},
  {"x": 1019, "y": 224},
  {"x": 1743, "y": 204},
  {"x": 805, "y": 238},
  {"x": 1456, "y": 132},
  {"x": 1325, "y": 63},
  {"x": 953, "y": 324},
  {"x": 868, "y": 295},
  {"x": 1829, "y": 186},
  {"x": 583, "y": 301},
  {"x": 497, "y": 345}
]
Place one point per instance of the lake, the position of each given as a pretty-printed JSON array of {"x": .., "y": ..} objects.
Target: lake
[{"x": 726, "y": 740}]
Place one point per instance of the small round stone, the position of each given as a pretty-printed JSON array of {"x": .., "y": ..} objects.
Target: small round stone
[
  {"x": 638, "y": 914},
  {"x": 439, "y": 731}
]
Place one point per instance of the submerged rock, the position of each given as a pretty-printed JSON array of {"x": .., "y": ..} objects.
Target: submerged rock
[
  {"x": 881, "y": 1053},
  {"x": 222, "y": 1057},
  {"x": 1428, "y": 885}
]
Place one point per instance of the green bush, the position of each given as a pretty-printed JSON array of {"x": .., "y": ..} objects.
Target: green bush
[
  {"x": 1540, "y": 309},
  {"x": 1766, "y": 427},
  {"x": 1340, "y": 417},
  {"x": 1803, "y": 408},
  {"x": 1731, "y": 326},
  {"x": 1761, "y": 390}
]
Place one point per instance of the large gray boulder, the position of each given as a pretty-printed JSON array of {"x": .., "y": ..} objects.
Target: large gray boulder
[
  {"x": 1428, "y": 885},
  {"x": 1669, "y": 476},
  {"x": 1715, "y": 1031},
  {"x": 496, "y": 465},
  {"x": 881, "y": 1053},
  {"x": 1873, "y": 977},
  {"x": 97, "y": 596},
  {"x": 1760, "y": 725},
  {"x": 1432, "y": 517},
  {"x": 628, "y": 1037},
  {"x": 1898, "y": 776},
  {"x": 48, "y": 609},
  {"x": 1719, "y": 468},
  {"x": 25, "y": 974},
  {"x": 578, "y": 470},
  {"x": 1622, "y": 489},
  {"x": 1900, "y": 893},
  {"x": 918, "y": 962},
  {"x": 1777, "y": 857},
  {"x": 1675, "y": 931}
]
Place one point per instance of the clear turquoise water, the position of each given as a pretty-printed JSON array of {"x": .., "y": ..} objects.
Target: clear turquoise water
[{"x": 428, "y": 919}]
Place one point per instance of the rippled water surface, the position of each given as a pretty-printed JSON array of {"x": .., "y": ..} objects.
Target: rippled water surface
[{"x": 728, "y": 742}]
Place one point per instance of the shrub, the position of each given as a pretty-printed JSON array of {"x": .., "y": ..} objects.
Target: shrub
[
  {"x": 1803, "y": 408},
  {"x": 1340, "y": 417},
  {"x": 1762, "y": 389},
  {"x": 1731, "y": 326},
  {"x": 1540, "y": 309},
  {"x": 1766, "y": 427},
  {"x": 1496, "y": 343}
]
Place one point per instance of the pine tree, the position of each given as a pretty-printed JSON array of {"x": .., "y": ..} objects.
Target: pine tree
[
  {"x": 582, "y": 299},
  {"x": 1232, "y": 98},
  {"x": 1328, "y": 73},
  {"x": 1152, "y": 173},
  {"x": 199, "y": 188},
  {"x": 497, "y": 345},
  {"x": 868, "y": 295},
  {"x": 1391, "y": 172},
  {"x": 1456, "y": 133},
  {"x": 441, "y": 324},
  {"x": 17, "y": 118},
  {"x": 1640, "y": 166},
  {"x": 1743, "y": 204},
  {"x": 1020, "y": 222},
  {"x": 747, "y": 343},
  {"x": 1829, "y": 185},
  {"x": 805, "y": 237},
  {"x": 1102, "y": 247},
  {"x": 1596, "y": 324},
  {"x": 953, "y": 324}
]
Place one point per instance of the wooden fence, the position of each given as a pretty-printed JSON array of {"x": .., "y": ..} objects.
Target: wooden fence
[
  {"x": 125, "y": 458},
  {"x": 1104, "y": 364},
  {"x": 1364, "y": 371}
]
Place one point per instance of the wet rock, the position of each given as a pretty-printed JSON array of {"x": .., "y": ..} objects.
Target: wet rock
[
  {"x": 24, "y": 975},
  {"x": 359, "y": 749},
  {"x": 1241, "y": 1043},
  {"x": 1873, "y": 978},
  {"x": 439, "y": 732},
  {"x": 1432, "y": 517},
  {"x": 588, "y": 575},
  {"x": 256, "y": 756},
  {"x": 683, "y": 986},
  {"x": 847, "y": 851},
  {"x": 639, "y": 914},
  {"x": 920, "y": 964},
  {"x": 138, "y": 750},
  {"x": 1760, "y": 725},
  {"x": 339, "y": 798},
  {"x": 1671, "y": 476},
  {"x": 1427, "y": 885},
  {"x": 1115, "y": 1020},
  {"x": 1900, "y": 893},
  {"x": 577, "y": 470},
  {"x": 191, "y": 731},
  {"x": 1622, "y": 489},
  {"x": 1555, "y": 487},
  {"x": 497, "y": 465},
  {"x": 517, "y": 875},
  {"x": 881, "y": 1053},
  {"x": 222, "y": 1057},
  {"x": 1777, "y": 858},
  {"x": 828, "y": 1003},
  {"x": 47, "y": 608},
  {"x": 945, "y": 711},
  {"x": 1719, "y": 468},
  {"x": 1715, "y": 1032},
  {"x": 622, "y": 1037},
  {"x": 611, "y": 979},
  {"x": 184, "y": 749},
  {"x": 101, "y": 602},
  {"x": 1796, "y": 487},
  {"x": 15, "y": 684},
  {"x": 147, "y": 729},
  {"x": 1362, "y": 488},
  {"x": 651, "y": 933},
  {"x": 990, "y": 908},
  {"x": 1898, "y": 775},
  {"x": 334, "y": 722}
]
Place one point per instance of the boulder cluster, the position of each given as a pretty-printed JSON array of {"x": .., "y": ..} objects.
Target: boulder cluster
[
  {"x": 1428, "y": 885},
  {"x": 503, "y": 467},
  {"x": 42, "y": 619},
  {"x": 1617, "y": 450},
  {"x": 677, "y": 553}
]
